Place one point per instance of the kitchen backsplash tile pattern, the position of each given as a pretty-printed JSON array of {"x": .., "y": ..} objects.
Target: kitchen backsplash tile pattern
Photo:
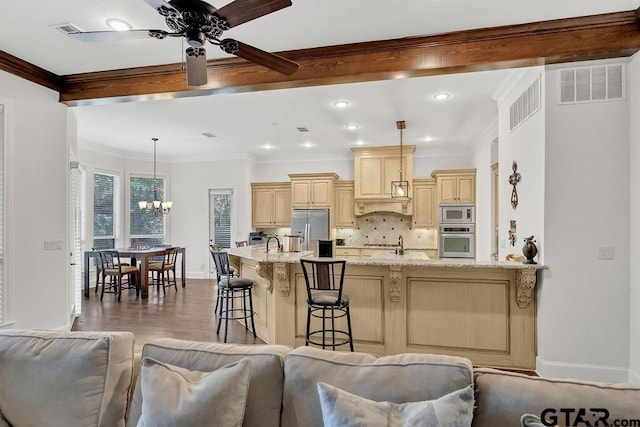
[{"x": 385, "y": 228}]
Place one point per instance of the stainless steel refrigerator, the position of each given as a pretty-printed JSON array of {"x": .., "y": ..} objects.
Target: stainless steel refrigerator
[{"x": 312, "y": 225}]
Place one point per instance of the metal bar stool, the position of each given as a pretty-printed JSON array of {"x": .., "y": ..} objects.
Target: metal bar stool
[
  {"x": 325, "y": 300},
  {"x": 231, "y": 288}
]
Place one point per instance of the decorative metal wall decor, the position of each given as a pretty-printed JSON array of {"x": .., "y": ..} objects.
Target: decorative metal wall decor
[
  {"x": 512, "y": 232},
  {"x": 514, "y": 179}
]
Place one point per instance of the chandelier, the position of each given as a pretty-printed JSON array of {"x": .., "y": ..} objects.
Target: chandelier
[
  {"x": 400, "y": 188},
  {"x": 156, "y": 206}
]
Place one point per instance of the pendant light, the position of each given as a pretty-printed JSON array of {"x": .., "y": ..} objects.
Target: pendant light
[
  {"x": 400, "y": 188},
  {"x": 156, "y": 206}
]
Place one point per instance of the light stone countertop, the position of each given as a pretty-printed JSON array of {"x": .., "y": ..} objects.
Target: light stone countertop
[
  {"x": 257, "y": 253},
  {"x": 409, "y": 248}
]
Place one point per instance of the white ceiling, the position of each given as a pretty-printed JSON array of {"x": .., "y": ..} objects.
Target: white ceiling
[{"x": 244, "y": 123}]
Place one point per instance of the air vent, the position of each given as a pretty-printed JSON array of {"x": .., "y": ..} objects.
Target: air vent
[
  {"x": 303, "y": 130},
  {"x": 591, "y": 84},
  {"x": 209, "y": 135},
  {"x": 68, "y": 28},
  {"x": 525, "y": 106}
]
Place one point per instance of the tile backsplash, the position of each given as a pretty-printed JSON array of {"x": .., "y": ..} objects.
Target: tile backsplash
[{"x": 385, "y": 228}]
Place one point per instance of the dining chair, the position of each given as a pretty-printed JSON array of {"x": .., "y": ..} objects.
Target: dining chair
[
  {"x": 99, "y": 269},
  {"x": 113, "y": 269},
  {"x": 162, "y": 270}
]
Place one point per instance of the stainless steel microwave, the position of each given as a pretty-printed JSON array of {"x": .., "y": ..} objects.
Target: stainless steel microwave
[{"x": 457, "y": 214}]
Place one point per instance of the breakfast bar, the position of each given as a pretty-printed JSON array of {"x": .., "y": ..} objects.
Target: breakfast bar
[{"x": 485, "y": 311}]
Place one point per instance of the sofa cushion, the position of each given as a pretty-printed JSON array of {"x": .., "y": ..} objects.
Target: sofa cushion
[
  {"x": 65, "y": 378},
  {"x": 176, "y": 397},
  {"x": 399, "y": 378},
  {"x": 340, "y": 408},
  {"x": 503, "y": 397},
  {"x": 265, "y": 387}
]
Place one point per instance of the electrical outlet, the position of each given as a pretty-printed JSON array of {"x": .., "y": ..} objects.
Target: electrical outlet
[
  {"x": 52, "y": 245},
  {"x": 605, "y": 252}
]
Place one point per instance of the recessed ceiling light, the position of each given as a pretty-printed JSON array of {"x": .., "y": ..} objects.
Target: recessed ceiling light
[
  {"x": 268, "y": 146},
  {"x": 352, "y": 126},
  {"x": 360, "y": 142},
  {"x": 427, "y": 139},
  {"x": 307, "y": 144},
  {"x": 118, "y": 24},
  {"x": 441, "y": 96},
  {"x": 341, "y": 104}
]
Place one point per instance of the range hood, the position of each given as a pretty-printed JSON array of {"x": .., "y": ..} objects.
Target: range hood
[{"x": 374, "y": 170}]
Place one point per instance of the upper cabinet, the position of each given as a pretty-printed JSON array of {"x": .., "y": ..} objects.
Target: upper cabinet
[
  {"x": 312, "y": 190},
  {"x": 270, "y": 204},
  {"x": 425, "y": 206},
  {"x": 374, "y": 170},
  {"x": 344, "y": 205},
  {"x": 456, "y": 186}
]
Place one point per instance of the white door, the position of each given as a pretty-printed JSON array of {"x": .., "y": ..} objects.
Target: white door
[{"x": 221, "y": 221}]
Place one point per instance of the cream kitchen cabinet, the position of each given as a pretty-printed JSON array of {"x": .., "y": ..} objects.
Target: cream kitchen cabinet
[
  {"x": 456, "y": 186},
  {"x": 270, "y": 204},
  {"x": 376, "y": 167},
  {"x": 344, "y": 207},
  {"x": 312, "y": 190},
  {"x": 425, "y": 205},
  {"x": 347, "y": 252}
]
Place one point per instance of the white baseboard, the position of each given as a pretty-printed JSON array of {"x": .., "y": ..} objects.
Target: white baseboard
[
  {"x": 197, "y": 275},
  {"x": 634, "y": 377},
  {"x": 599, "y": 373}
]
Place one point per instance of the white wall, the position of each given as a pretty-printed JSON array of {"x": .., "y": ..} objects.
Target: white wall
[
  {"x": 634, "y": 227},
  {"x": 38, "y": 283},
  {"x": 278, "y": 171},
  {"x": 583, "y": 323}
]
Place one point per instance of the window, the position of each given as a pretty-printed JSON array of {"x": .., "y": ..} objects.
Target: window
[
  {"x": 220, "y": 215},
  {"x": 106, "y": 197},
  {"x": 146, "y": 229}
]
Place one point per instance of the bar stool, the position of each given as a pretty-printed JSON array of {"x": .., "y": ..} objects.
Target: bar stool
[
  {"x": 325, "y": 300},
  {"x": 231, "y": 288}
]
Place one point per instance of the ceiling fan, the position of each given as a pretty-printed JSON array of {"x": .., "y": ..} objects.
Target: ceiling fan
[{"x": 198, "y": 22}]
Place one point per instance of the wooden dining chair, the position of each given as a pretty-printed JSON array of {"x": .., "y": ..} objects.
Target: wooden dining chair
[
  {"x": 114, "y": 270},
  {"x": 161, "y": 271},
  {"x": 99, "y": 269}
]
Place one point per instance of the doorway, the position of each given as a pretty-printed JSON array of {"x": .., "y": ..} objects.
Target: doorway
[{"x": 221, "y": 221}]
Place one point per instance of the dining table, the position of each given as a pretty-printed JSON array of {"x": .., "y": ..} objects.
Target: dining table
[{"x": 144, "y": 255}]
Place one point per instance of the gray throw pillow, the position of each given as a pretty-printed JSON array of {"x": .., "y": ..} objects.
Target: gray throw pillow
[
  {"x": 343, "y": 409},
  {"x": 174, "y": 396}
]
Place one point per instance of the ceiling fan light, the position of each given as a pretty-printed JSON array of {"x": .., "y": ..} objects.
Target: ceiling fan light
[{"x": 118, "y": 24}]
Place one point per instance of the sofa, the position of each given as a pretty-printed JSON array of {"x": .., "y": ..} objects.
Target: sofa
[{"x": 95, "y": 379}]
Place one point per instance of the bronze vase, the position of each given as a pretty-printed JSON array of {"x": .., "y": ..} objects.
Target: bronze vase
[{"x": 530, "y": 250}]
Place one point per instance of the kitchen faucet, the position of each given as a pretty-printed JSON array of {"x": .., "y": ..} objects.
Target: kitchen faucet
[
  {"x": 277, "y": 240},
  {"x": 400, "y": 248}
]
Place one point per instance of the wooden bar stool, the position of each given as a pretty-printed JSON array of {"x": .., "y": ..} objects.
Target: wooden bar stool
[{"x": 325, "y": 300}]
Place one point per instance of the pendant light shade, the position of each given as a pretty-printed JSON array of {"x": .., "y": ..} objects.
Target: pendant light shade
[{"x": 400, "y": 188}]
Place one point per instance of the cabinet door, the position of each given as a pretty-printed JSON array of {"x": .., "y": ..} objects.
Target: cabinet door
[
  {"x": 282, "y": 207},
  {"x": 371, "y": 177},
  {"x": 344, "y": 210},
  {"x": 392, "y": 172},
  {"x": 300, "y": 193},
  {"x": 447, "y": 186},
  {"x": 262, "y": 208},
  {"x": 321, "y": 193},
  {"x": 424, "y": 206},
  {"x": 466, "y": 189}
]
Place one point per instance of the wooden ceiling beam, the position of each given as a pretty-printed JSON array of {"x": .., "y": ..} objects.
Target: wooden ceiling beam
[
  {"x": 548, "y": 42},
  {"x": 26, "y": 70}
]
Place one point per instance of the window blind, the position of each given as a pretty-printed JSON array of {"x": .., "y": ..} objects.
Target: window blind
[
  {"x": 105, "y": 213},
  {"x": 146, "y": 229},
  {"x": 2, "y": 191},
  {"x": 222, "y": 217}
]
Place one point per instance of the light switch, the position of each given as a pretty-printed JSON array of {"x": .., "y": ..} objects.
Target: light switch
[
  {"x": 605, "y": 252},
  {"x": 52, "y": 245}
]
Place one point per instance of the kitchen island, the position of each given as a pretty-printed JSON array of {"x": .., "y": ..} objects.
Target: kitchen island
[{"x": 485, "y": 311}]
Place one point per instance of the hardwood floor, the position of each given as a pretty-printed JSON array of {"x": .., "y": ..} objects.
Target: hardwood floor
[{"x": 186, "y": 314}]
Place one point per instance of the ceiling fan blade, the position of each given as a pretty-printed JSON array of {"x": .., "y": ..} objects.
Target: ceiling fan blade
[
  {"x": 105, "y": 36},
  {"x": 253, "y": 54},
  {"x": 240, "y": 11},
  {"x": 196, "y": 66},
  {"x": 160, "y": 5}
]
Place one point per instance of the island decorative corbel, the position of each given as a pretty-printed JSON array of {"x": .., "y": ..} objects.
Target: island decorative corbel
[
  {"x": 525, "y": 283},
  {"x": 265, "y": 270},
  {"x": 282, "y": 277},
  {"x": 395, "y": 273}
]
